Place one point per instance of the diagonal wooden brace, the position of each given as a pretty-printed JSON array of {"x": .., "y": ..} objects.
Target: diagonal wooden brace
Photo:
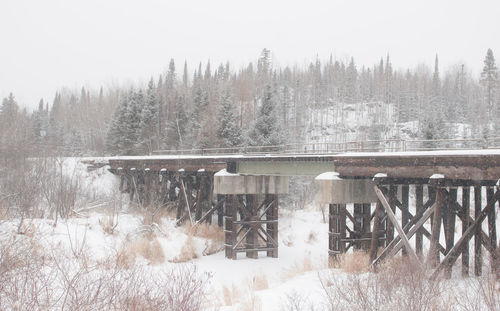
[
  {"x": 394, "y": 221},
  {"x": 417, "y": 222},
  {"x": 455, "y": 251}
]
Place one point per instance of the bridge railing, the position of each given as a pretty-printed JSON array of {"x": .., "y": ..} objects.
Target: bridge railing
[{"x": 387, "y": 145}]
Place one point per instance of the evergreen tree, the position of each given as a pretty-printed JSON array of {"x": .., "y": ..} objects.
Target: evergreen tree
[
  {"x": 265, "y": 130},
  {"x": 149, "y": 120},
  {"x": 489, "y": 80},
  {"x": 133, "y": 122},
  {"x": 9, "y": 109},
  {"x": 228, "y": 132},
  {"x": 115, "y": 141},
  {"x": 178, "y": 126},
  {"x": 40, "y": 124},
  {"x": 351, "y": 82}
]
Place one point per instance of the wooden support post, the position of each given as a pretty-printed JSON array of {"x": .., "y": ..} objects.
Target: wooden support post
[
  {"x": 272, "y": 228},
  {"x": 465, "y": 226},
  {"x": 148, "y": 188},
  {"x": 251, "y": 239},
  {"x": 140, "y": 188},
  {"x": 449, "y": 224},
  {"x": 433, "y": 256},
  {"x": 453, "y": 254},
  {"x": 419, "y": 198},
  {"x": 336, "y": 216},
  {"x": 172, "y": 193},
  {"x": 230, "y": 210},
  {"x": 122, "y": 182},
  {"x": 366, "y": 211},
  {"x": 343, "y": 227},
  {"x": 358, "y": 224},
  {"x": 197, "y": 209},
  {"x": 492, "y": 233},
  {"x": 220, "y": 210},
  {"x": 131, "y": 186},
  {"x": 478, "y": 258},
  {"x": 375, "y": 234},
  {"x": 210, "y": 192},
  {"x": 393, "y": 190},
  {"x": 405, "y": 213}
]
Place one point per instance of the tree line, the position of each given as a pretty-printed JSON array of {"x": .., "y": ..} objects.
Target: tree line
[{"x": 258, "y": 104}]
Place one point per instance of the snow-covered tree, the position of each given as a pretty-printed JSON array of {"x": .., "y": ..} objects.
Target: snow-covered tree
[
  {"x": 115, "y": 140},
  {"x": 228, "y": 132},
  {"x": 265, "y": 130},
  {"x": 149, "y": 139},
  {"x": 489, "y": 80}
]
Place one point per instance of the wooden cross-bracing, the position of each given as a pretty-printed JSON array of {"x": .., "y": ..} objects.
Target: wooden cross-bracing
[
  {"x": 441, "y": 209},
  {"x": 189, "y": 194},
  {"x": 251, "y": 225}
]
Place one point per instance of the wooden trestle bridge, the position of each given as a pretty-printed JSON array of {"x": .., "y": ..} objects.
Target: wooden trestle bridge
[{"x": 369, "y": 197}]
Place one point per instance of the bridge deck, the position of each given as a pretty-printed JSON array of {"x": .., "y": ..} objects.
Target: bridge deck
[{"x": 453, "y": 164}]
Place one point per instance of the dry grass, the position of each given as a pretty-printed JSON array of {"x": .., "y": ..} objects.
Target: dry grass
[
  {"x": 259, "y": 282},
  {"x": 147, "y": 247},
  {"x": 356, "y": 262},
  {"x": 249, "y": 300},
  {"x": 156, "y": 215},
  {"x": 231, "y": 295},
  {"x": 398, "y": 285},
  {"x": 296, "y": 269},
  {"x": 312, "y": 237},
  {"x": 213, "y": 234},
  {"x": 108, "y": 224},
  {"x": 288, "y": 240},
  {"x": 188, "y": 251},
  {"x": 42, "y": 279},
  {"x": 206, "y": 231}
]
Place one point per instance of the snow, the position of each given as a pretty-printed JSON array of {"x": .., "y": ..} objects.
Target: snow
[
  {"x": 328, "y": 176},
  {"x": 303, "y": 240},
  {"x": 223, "y": 172},
  {"x": 437, "y": 176},
  {"x": 472, "y": 152}
]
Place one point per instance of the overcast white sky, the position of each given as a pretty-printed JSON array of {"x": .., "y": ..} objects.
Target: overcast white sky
[{"x": 48, "y": 44}]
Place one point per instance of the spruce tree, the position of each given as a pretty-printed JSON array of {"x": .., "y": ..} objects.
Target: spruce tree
[
  {"x": 489, "y": 80},
  {"x": 265, "y": 130},
  {"x": 118, "y": 128},
  {"x": 228, "y": 132},
  {"x": 149, "y": 120},
  {"x": 133, "y": 122}
]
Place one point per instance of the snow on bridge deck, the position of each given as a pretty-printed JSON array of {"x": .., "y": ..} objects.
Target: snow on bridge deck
[{"x": 482, "y": 164}]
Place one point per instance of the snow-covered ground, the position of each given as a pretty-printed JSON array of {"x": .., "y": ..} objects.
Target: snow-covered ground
[{"x": 242, "y": 284}]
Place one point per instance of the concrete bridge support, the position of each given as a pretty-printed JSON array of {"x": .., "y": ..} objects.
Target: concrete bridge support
[
  {"x": 250, "y": 212},
  {"x": 350, "y": 213}
]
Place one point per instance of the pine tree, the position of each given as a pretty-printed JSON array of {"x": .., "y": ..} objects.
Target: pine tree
[
  {"x": 118, "y": 128},
  {"x": 133, "y": 122},
  {"x": 40, "y": 124},
  {"x": 149, "y": 120},
  {"x": 178, "y": 126},
  {"x": 228, "y": 132},
  {"x": 489, "y": 80},
  {"x": 265, "y": 130},
  {"x": 9, "y": 108},
  {"x": 351, "y": 82}
]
